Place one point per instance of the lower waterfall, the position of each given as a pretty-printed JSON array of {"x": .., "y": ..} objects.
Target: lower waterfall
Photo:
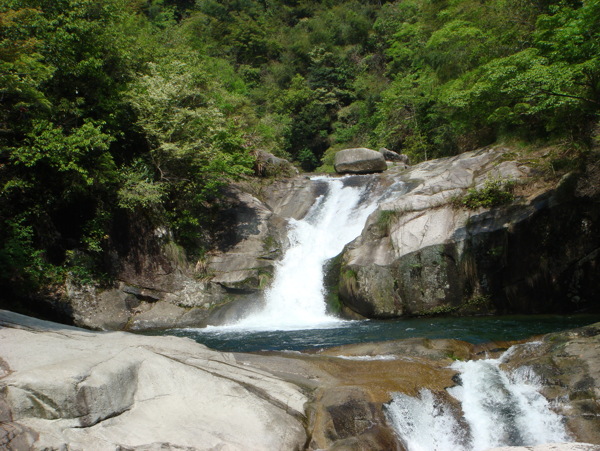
[
  {"x": 498, "y": 409},
  {"x": 295, "y": 299}
]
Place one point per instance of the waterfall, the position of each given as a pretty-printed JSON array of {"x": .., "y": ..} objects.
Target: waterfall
[
  {"x": 295, "y": 299},
  {"x": 498, "y": 408}
]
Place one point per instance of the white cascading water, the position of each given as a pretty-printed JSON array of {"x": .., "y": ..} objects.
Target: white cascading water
[
  {"x": 295, "y": 299},
  {"x": 499, "y": 409}
]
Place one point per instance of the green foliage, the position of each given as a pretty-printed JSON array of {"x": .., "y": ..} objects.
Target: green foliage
[
  {"x": 21, "y": 263},
  {"x": 493, "y": 193},
  {"x": 148, "y": 107},
  {"x": 139, "y": 190},
  {"x": 440, "y": 310},
  {"x": 81, "y": 155},
  {"x": 385, "y": 221}
]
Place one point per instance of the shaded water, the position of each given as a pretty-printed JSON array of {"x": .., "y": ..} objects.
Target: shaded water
[
  {"x": 294, "y": 315},
  {"x": 473, "y": 330}
]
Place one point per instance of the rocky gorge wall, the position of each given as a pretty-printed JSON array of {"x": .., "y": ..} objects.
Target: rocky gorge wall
[
  {"x": 422, "y": 252},
  {"x": 157, "y": 286},
  {"x": 425, "y": 253}
]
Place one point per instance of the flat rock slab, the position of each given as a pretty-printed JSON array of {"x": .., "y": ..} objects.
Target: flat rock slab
[{"x": 67, "y": 388}]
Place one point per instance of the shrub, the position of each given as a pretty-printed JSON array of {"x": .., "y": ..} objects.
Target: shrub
[{"x": 493, "y": 193}]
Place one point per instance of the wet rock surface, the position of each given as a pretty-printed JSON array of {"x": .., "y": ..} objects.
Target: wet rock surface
[{"x": 568, "y": 365}]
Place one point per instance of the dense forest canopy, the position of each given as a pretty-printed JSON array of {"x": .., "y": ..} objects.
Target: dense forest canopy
[{"x": 144, "y": 108}]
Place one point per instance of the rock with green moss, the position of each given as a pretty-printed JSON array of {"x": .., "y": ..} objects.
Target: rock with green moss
[{"x": 425, "y": 253}]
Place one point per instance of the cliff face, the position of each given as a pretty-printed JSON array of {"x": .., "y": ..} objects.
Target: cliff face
[{"x": 425, "y": 253}]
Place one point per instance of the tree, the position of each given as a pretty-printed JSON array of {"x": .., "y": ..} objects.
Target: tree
[{"x": 194, "y": 146}]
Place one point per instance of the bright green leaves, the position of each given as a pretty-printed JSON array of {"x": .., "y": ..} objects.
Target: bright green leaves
[
  {"x": 146, "y": 108},
  {"x": 493, "y": 193},
  {"x": 186, "y": 130},
  {"x": 52, "y": 190},
  {"x": 251, "y": 40},
  {"x": 553, "y": 86},
  {"x": 138, "y": 190},
  {"x": 81, "y": 154},
  {"x": 570, "y": 34},
  {"x": 60, "y": 75},
  {"x": 195, "y": 145},
  {"x": 22, "y": 70},
  {"x": 466, "y": 74},
  {"x": 455, "y": 48}
]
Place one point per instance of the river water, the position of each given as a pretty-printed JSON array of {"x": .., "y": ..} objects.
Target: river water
[
  {"x": 496, "y": 408},
  {"x": 473, "y": 330},
  {"x": 294, "y": 314}
]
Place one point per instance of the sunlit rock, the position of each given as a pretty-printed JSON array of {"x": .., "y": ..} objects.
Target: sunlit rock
[
  {"x": 67, "y": 388},
  {"x": 359, "y": 161}
]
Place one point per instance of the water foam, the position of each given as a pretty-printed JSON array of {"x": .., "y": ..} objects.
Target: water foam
[
  {"x": 499, "y": 408},
  {"x": 295, "y": 299}
]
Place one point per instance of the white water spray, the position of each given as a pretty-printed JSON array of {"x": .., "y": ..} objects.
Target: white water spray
[
  {"x": 295, "y": 300},
  {"x": 499, "y": 409}
]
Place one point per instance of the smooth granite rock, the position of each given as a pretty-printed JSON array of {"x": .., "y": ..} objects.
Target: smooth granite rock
[
  {"x": 67, "y": 388},
  {"x": 359, "y": 161},
  {"x": 423, "y": 253}
]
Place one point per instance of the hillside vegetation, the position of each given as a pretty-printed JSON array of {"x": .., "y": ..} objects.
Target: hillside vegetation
[{"x": 115, "y": 111}]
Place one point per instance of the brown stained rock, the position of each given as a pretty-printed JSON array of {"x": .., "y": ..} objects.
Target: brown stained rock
[
  {"x": 349, "y": 393},
  {"x": 348, "y": 410},
  {"x": 568, "y": 364},
  {"x": 346, "y": 418}
]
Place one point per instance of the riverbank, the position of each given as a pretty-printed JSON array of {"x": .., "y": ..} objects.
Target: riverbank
[{"x": 66, "y": 386}]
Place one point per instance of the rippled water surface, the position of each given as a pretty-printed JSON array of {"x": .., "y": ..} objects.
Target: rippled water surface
[
  {"x": 473, "y": 330},
  {"x": 294, "y": 316}
]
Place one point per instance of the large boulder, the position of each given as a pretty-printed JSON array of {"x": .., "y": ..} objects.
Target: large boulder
[
  {"x": 423, "y": 253},
  {"x": 394, "y": 157},
  {"x": 359, "y": 161},
  {"x": 268, "y": 165}
]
